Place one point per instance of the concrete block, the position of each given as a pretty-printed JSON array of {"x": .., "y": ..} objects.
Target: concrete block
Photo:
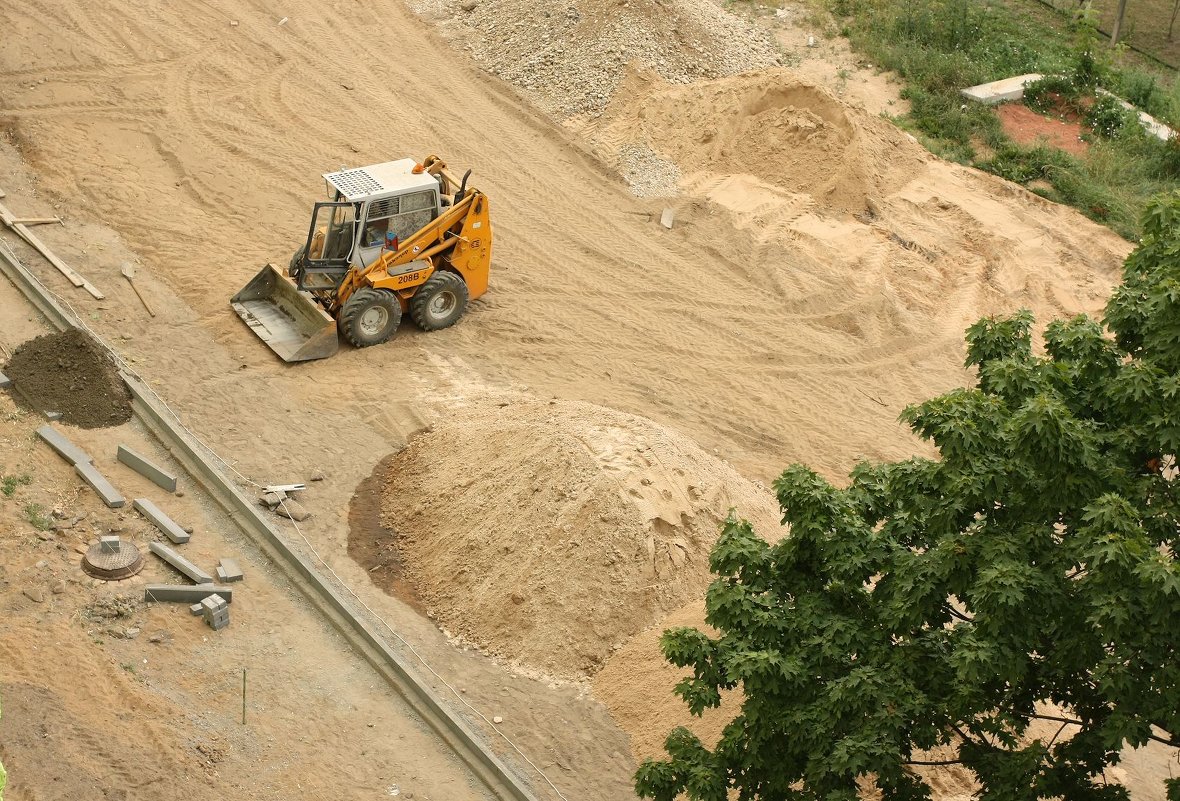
[
  {"x": 109, "y": 544},
  {"x": 65, "y": 449},
  {"x": 216, "y": 612},
  {"x": 52, "y": 416},
  {"x": 5, "y": 381},
  {"x": 196, "y": 610},
  {"x": 1002, "y": 90},
  {"x": 233, "y": 571},
  {"x": 160, "y": 520},
  {"x": 146, "y": 469},
  {"x": 99, "y": 484},
  {"x": 180, "y": 563},
  {"x": 185, "y": 593},
  {"x": 666, "y": 218},
  {"x": 1153, "y": 126}
]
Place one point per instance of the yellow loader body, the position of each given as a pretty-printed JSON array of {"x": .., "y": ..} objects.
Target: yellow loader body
[{"x": 431, "y": 274}]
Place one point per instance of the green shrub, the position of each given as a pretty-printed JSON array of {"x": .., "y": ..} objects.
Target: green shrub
[
  {"x": 938, "y": 47},
  {"x": 1046, "y": 93},
  {"x": 1022, "y": 165},
  {"x": 8, "y": 484},
  {"x": 1108, "y": 117},
  {"x": 35, "y": 514}
]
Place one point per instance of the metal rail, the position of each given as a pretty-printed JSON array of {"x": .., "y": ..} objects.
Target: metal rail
[{"x": 493, "y": 773}]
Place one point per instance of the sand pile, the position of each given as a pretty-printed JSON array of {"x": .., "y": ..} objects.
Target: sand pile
[
  {"x": 790, "y": 135},
  {"x": 548, "y": 533},
  {"x": 70, "y": 373},
  {"x": 568, "y": 55}
]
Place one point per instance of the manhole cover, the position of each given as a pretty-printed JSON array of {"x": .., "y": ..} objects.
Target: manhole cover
[{"x": 115, "y": 565}]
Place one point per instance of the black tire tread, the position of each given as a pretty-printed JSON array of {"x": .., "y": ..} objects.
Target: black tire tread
[
  {"x": 441, "y": 279},
  {"x": 356, "y": 304}
]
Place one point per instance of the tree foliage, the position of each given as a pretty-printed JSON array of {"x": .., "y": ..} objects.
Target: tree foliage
[{"x": 933, "y": 611}]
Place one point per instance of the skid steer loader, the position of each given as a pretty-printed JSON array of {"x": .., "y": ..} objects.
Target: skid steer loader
[{"x": 395, "y": 238}]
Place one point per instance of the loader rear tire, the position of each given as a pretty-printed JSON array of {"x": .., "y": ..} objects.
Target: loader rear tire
[
  {"x": 440, "y": 302},
  {"x": 370, "y": 317}
]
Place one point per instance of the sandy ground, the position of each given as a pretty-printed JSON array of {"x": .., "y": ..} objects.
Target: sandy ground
[
  {"x": 780, "y": 319},
  {"x": 96, "y": 707}
]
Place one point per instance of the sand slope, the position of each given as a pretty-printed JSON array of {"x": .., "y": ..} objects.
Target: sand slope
[{"x": 819, "y": 276}]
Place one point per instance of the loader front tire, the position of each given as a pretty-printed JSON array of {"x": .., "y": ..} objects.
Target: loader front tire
[
  {"x": 370, "y": 317},
  {"x": 440, "y": 302},
  {"x": 293, "y": 265}
]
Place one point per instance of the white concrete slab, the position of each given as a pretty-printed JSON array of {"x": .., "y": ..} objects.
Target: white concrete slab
[{"x": 1002, "y": 90}]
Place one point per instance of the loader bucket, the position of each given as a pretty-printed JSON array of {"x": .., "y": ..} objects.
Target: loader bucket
[{"x": 289, "y": 321}]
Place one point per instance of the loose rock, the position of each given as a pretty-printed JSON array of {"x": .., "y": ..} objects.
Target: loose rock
[
  {"x": 292, "y": 510},
  {"x": 35, "y": 594}
]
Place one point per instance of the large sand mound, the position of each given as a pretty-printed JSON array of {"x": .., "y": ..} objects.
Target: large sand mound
[
  {"x": 548, "y": 533},
  {"x": 786, "y": 133}
]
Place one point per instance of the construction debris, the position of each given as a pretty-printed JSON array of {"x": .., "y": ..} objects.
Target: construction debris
[
  {"x": 667, "y": 217},
  {"x": 272, "y": 499},
  {"x": 65, "y": 449},
  {"x": 196, "y": 609},
  {"x": 180, "y": 563},
  {"x": 21, "y": 228},
  {"x": 216, "y": 612},
  {"x": 185, "y": 593},
  {"x": 160, "y": 520},
  {"x": 89, "y": 473},
  {"x": 292, "y": 510},
  {"x": 109, "y": 544},
  {"x": 284, "y": 488},
  {"x": 141, "y": 465},
  {"x": 228, "y": 570},
  {"x": 6, "y": 382}
]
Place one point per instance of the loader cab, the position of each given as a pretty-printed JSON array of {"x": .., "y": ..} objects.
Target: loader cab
[{"x": 371, "y": 208}]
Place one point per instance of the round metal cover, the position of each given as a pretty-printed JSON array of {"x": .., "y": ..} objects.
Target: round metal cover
[{"x": 120, "y": 564}]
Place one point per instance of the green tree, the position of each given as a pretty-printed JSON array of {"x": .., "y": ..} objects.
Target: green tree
[{"x": 932, "y": 611}]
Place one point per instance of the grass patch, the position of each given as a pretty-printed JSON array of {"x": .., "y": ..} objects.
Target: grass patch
[
  {"x": 38, "y": 519},
  {"x": 8, "y": 484},
  {"x": 941, "y": 46}
]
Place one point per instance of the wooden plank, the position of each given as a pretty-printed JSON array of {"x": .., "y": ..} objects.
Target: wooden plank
[{"x": 9, "y": 219}]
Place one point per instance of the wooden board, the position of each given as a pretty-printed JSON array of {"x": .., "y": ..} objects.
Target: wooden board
[{"x": 12, "y": 221}]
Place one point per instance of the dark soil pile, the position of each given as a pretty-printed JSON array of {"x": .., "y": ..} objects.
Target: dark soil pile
[{"x": 70, "y": 373}]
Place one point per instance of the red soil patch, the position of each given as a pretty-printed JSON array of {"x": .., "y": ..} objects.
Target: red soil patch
[{"x": 1026, "y": 126}]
